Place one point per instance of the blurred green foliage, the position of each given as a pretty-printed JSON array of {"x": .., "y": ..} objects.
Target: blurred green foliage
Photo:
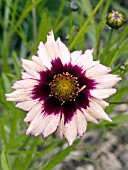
[{"x": 23, "y": 24}]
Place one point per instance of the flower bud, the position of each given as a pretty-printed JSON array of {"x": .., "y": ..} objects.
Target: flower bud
[
  {"x": 123, "y": 67},
  {"x": 115, "y": 19},
  {"x": 73, "y": 6}
]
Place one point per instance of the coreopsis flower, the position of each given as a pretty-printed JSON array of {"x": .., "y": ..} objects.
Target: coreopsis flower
[{"x": 62, "y": 91}]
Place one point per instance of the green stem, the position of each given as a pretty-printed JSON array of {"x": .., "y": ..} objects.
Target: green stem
[
  {"x": 70, "y": 19},
  {"x": 109, "y": 38},
  {"x": 71, "y": 28},
  {"x": 34, "y": 23},
  {"x": 120, "y": 49},
  {"x": 118, "y": 102},
  {"x": 108, "y": 45},
  {"x": 85, "y": 24}
]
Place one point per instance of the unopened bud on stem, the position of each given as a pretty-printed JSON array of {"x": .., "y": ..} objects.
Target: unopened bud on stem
[{"x": 115, "y": 19}]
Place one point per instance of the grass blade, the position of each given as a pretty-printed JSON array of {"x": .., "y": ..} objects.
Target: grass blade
[
  {"x": 60, "y": 157},
  {"x": 85, "y": 24}
]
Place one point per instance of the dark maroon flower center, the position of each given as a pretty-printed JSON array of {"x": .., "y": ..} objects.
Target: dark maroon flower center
[{"x": 63, "y": 89}]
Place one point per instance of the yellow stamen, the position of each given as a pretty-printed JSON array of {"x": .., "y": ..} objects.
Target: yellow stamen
[{"x": 65, "y": 87}]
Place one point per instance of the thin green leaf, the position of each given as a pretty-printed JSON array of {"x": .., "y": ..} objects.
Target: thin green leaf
[
  {"x": 120, "y": 119},
  {"x": 16, "y": 63},
  {"x": 97, "y": 37},
  {"x": 7, "y": 13},
  {"x": 106, "y": 8},
  {"x": 110, "y": 55},
  {"x": 13, "y": 128},
  {"x": 26, "y": 11},
  {"x": 123, "y": 35},
  {"x": 119, "y": 51},
  {"x": 117, "y": 98},
  {"x": 85, "y": 24},
  {"x": 4, "y": 160},
  {"x": 28, "y": 156},
  {"x": 43, "y": 27},
  {"x": 61, "y": 24},
  {"x": 6, "y": 82},
  {"x": 60, "y": 12},
  {"x": 60, "y": 156}
]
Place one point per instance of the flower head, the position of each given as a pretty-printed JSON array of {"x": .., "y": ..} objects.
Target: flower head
[
  {"x": 62, "y": 91},
  {"x": 115, "y": 19}
]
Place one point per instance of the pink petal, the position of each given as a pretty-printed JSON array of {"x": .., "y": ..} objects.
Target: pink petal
[
  {"x": 25, "y": 75},
  {"x": 52, "y": 47},
  {"x": 88, "y": 116},
  {"x": 38, "y": 62},
  {"x": 31, "y": 67},
  {"x": 94, "y": 63},
  {"x": 102, "y": 93},
  {"x": 33, "y": 112},
  {"x": 101, "y": 102},
  {"x": 60, "y": 129},
  {"x": 43, "y": 55},
  {"x": 64, "y": 52},
  {"x": 96, "y": 111},
  {"x": 35, "y": 124},
  {"x": 38, "y": 125},
  {"x": 106, "y": 81},
  {"x": 25, "y": 84},
  {"x": 19, "y": 95},
  {"x": 74, "y": 56},
  {"x": 97, "y": 70},
  {"x": 51, "y": 126},
  {"x": 80, "y": 123},
  {"x": 70, "y": 131},
  {"x": 27, "y": 105},
  {"x": 85, "y": 60}
]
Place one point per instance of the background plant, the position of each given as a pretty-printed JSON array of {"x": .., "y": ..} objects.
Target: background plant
[{"x": 23, "y": 24}]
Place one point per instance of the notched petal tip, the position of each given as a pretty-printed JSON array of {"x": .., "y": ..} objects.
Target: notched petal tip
[
  {"x": 23, "y": 61},
  {"x": 40, "y": 45},
  {"x": 96, "y": 122},
  {"x": 51, "y": 32},
  {"x": 9, "y": 97},
  {"x": 89, "y": 51},
  {"x": 27, "y": 133},
  {"x": 16, "y": 105},
  {"x": 35, "y": 136},
  {"x": 50, "y": 35},
  {"x": 114, "y": 91},
  {"x": 6, "y": 95},
  {"x": 43, "y": 136},
  {"x": 108, "y": 69},
  {"x": 61, "y": 136},
  {"x": 70, "y": 143},
  {"x": 92, "y": 50},
  {"x": 25, "y": 120},
  {"x": 108, "y": 119},
  {"x": 119, "y": 78}
]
